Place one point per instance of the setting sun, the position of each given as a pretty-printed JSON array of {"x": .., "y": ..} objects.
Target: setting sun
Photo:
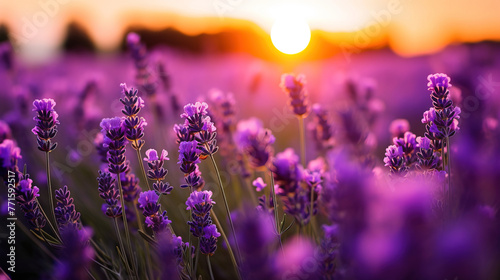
[{"x": 290, "y": 34}]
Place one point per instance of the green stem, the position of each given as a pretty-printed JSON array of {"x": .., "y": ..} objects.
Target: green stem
[
  {"x": 122, "y": 248},
  {"x": 48, "y": 221},
  {"x": 125, "y": 225},
  {"x": 143, "y": 170},
  {"x": 35, "y": 240},
  {"x": 190, "y": 250},
  {"x": 302, "y": 141},
  {"x": 146, "y": 244},
  {"x": 210, "y": 268},
  {"x": 248, "y": 185},
  {"x": 226, "y": 206},
  {"x": 49, "y": 186},
  {"x": 197, "y": 257},
  {"x": 275, "y": 210},
  {"x": 224, "y": 236}
]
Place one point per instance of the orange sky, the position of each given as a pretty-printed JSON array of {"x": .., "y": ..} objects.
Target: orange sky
[{"x": 410, "y": 27}]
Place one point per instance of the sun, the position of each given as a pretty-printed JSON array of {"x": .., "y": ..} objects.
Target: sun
[{"x": 290, "y": 34}]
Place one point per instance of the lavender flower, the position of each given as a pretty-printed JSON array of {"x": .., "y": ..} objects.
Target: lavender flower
[
  {"x": 148, "y": 202},
  {"x": 99, "y": 146},
  {"x": 200, "y": 203},
  {"x": 409, "y": 145},
  {"x": 395, "y": 160},
  {"x": 46, "y": 124},
  {"x": 208, "y": 242},
  {"x": 26, "y": 197},
  {"x": 428, "y": 159},
  {"x": 255, "y": 141},
  {"x": 156, "y": 170},
  {"x": 200, "y": 125},
  {"x": 76, "y": 256},
  {"x": 114, "y": 140},
  {"x": 259, "y": 184},
  {"x": 294, "y": 86},
  {"x": 183, "y": 133},
  {"x": 5, "y": 132},
  {"x": 107, "y": 191},
  {"x": 288, "y": 175},
  {"x": 328, "y": 251},
  {"x": 66, "y": 214},
  {"x": 170, "y": 256},
  {"x": 442, "y": 120},
  {"x": 156, "y": 220},
  {"x": 130, "y": 186},
  {"x": 321, "y": 129},
  {"x": 398, "y": 128},
  {"x": 9, "y": 156},
  {"x": 188, "y": 156},
  {"x": 134, "y": 126},
  {"x": 139, "y": 54}
]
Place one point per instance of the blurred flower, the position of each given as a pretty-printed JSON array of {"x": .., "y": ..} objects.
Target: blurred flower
[
  {"x": 46, "y": 123},
  {"x": 294, "y": 86},
  {"x": 130, "y": 186},
  {"x": 254, "y": 141},
  {"x": 398, "y": 127},
  {"x": 321, "y": 128},
  {"x": 259, "y": 184},
  {"x": 256, "y": 233},
  {"x": 5, "y": 132},
  {"x": 76, "y": 255}
]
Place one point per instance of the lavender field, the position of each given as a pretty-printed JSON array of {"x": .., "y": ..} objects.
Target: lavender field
[{"x": 154, "y": 163}]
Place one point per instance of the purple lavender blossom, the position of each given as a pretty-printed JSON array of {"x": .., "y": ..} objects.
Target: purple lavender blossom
[
  {"x": 255, "y": 141},
  {"x": 26, "y": 197},
  {"x": 130, "y": 186},
  {"x": 439, "y": 84},
  {"x": 148, "y": 202},
  {"x": 428, "y": 159},
  {"x": 65, "y": 212},
  {"x": 183, "y": 134},
  {"x": 294, "y": 86},
  {"x": 321, "y": 129},
  {"x": 409, "y": 145},
  {"x": 208, "y": 242},
  {"x": 256, "y": 231},
  {"x": 140, "y": 57},
  {"x": 441, "y": 120},
  {"x": 200, "y": 125},
  {"x": 259, "y": 184},
  {"x": 107, "y": 191},
  {"x": 5, "y": 132},
  {"x": 394, "y": 158},
  {"x": 156, "y": 171},
  {"x": 398, "y": 128},
  {"x": 114, "y": 140},
  {"x": 189, "y": 156},
  {"x": 46, "y": 124},
  {"x": 200, "y": 203},
  {"x": 288, "y": 175},
  {"x": 76, "y": 255},
  {"x": 170, "y": 256},
  {"x": 9, "y": 156},
  {"x": 99, "y": 146},
  {"x": 158, "y": 222},
  {"x": 134, "y": 126}
]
